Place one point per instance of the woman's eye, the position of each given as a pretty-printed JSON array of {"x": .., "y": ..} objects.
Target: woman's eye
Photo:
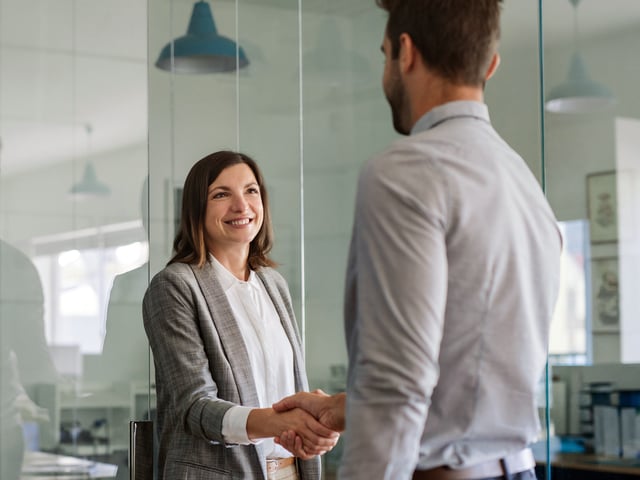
[
  {"x": 253, "y": 190},
  {"x": 219, "y": 195}
]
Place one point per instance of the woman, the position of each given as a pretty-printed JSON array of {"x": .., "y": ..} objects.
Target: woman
[{"x": 224, "y": 338}]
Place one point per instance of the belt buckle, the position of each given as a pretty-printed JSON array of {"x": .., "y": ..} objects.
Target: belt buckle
[{"x": 272, "y": 465}]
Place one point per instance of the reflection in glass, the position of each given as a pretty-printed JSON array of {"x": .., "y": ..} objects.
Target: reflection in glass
[
  {"x": 72, "y": 100},
  {"x": 25, "y": 360}
]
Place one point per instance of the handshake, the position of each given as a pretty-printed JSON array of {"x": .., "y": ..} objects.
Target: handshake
[{"x": 323, "y": 419}]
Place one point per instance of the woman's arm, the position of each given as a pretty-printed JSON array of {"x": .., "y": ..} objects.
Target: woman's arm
[{"x": 185, "y": 384}]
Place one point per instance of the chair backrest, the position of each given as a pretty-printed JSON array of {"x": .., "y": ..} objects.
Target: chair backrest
[{"x": 141, "y": 450}]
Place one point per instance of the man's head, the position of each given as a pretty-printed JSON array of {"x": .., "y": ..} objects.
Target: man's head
[
  {"x": 456, "y": 42},
  {"x": 456, "y": 38}
]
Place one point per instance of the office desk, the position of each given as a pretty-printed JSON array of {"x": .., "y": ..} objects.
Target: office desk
[
  {"x": 574, "y": 466},
  {"x": 41, "y": 465}
]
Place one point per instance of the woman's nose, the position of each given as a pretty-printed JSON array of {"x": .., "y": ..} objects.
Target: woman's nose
[{"x": 239, "y": 204}]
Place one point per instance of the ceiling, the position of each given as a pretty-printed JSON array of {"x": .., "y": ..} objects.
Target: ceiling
[{"x": 46, "y": 108}]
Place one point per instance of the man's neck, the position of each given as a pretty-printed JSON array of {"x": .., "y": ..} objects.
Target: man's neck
[{"x": 439, "y": 93}]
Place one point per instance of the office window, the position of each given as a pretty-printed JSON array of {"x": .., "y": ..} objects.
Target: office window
[
  {"x": 569, "y": 341},
  {"x": 77, "y": 271}
]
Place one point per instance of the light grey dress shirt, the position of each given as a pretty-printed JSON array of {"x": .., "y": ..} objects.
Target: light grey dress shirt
[{"x": 451, "y": 282}]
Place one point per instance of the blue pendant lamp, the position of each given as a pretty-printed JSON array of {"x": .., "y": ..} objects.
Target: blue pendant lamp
[
  {"x": 579, "y": 93},
  {"x": 89, "y": 185},
  {"x": 202, "y": 49}
]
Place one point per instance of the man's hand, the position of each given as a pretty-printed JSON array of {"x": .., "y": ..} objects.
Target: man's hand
[
  {"x": 312, "y": 438},
  {"x": 328, "y": 409}
]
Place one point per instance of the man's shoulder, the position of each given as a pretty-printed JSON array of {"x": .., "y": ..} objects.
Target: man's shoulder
[{"x": 420, "y": 151}]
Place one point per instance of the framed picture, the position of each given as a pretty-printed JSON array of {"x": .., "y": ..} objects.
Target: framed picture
[
  {"x": 605, "y": 298},
  {"x": 602, "y": 207}
]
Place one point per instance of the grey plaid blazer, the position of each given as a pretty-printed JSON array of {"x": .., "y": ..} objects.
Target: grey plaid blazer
[{"x": 202, "y": 369}]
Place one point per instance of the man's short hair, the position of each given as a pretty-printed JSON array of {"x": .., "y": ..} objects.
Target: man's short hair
[{"x": 456, "y": 38}]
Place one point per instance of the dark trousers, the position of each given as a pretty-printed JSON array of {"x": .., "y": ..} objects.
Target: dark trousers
[{"x": 524, "y": 475}]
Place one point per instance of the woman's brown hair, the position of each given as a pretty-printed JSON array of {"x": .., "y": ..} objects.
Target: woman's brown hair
[{"x": 189, "y": 245}]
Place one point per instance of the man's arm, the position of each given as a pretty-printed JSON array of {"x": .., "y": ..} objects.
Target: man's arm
[{"x": 395, "y": 304}]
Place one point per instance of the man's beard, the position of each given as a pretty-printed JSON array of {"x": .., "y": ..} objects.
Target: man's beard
[{"x": 397, "y": 98}]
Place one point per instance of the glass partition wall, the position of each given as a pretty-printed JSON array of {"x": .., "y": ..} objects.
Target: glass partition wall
[
  {"x": 73, "y": 247},
  {"x": 592, "y": 127},
  {"x": 97, "y": 140}
]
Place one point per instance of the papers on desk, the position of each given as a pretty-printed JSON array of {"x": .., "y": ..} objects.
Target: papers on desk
[{"x": 40, "y": 465}]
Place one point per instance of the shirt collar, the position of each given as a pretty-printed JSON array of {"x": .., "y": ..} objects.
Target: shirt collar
[
  {"x": 227, "y": 279},
  {"x": 461, "y": 108}
]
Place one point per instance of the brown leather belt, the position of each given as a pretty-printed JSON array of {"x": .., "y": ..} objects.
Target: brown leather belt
[
  {"x": 514, "y": 463},
  {"x": 275, "y": 464}
]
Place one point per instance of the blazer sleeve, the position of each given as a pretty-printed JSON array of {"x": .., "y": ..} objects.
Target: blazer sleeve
[{"x": 171, "y": 316}]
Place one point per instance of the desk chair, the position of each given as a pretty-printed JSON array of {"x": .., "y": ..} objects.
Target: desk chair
[{"x": 141, "y": 450}]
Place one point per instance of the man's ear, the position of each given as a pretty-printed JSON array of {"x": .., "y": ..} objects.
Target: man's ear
[
  {"x": 493, "y": 66},
  {"x": 407, "y": 53}
]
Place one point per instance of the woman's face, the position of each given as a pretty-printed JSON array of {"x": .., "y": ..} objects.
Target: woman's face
[{"x": 234, "y": 211}]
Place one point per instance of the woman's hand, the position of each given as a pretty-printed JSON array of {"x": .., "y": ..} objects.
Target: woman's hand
[
  {"x": 328, "y": 409},
  {"x": 313, "y": 438}
]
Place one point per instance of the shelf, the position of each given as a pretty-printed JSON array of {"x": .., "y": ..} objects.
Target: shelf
[
  {"x": 578, "y": 461},
  {"x": 95, "y": 398}
]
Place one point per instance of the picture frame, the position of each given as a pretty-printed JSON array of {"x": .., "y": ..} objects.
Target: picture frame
[
  {"x": 605, "y": 297},
  {"x": 602, "y": 207}
]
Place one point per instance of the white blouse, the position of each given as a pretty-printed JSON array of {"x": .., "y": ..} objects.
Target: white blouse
[{"x": 270, "y": 353}]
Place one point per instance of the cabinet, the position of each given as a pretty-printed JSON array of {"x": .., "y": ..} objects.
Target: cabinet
[
  {"x": 571, "y": 466},
  {"x": 91, "y": 419}
]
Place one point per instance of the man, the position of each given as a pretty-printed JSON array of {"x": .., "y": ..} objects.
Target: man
[{"x": 453, "y": 269}]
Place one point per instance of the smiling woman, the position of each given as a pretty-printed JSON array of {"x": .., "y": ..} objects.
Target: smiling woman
[{"x": 225, "y": 341}]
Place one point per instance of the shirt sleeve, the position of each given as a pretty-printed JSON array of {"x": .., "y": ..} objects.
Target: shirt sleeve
[
  {"x": 394, "y": 314},
  {"x": 234, "y": 425}
]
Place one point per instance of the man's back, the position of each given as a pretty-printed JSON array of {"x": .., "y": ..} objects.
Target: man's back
[{"x": 453, "y": 229}]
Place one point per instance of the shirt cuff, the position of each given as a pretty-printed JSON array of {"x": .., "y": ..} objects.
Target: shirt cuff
[{"x": 234, "y": 425}]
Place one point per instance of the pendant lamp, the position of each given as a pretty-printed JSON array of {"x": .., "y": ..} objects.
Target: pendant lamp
[
  {"x": 89, "y": 185},
  {"x": 579, "y": 93},
  {"x": 202, "y": 49}
]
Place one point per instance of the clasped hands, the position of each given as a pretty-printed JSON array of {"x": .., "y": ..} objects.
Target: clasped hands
[{"x": 317, "y": 419}]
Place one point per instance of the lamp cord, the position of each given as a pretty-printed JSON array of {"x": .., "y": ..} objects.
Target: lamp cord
[{"x": 575, "y": 25}]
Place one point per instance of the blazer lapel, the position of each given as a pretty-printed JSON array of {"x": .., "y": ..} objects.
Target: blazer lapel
[{"x": 229, "y": 333}]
